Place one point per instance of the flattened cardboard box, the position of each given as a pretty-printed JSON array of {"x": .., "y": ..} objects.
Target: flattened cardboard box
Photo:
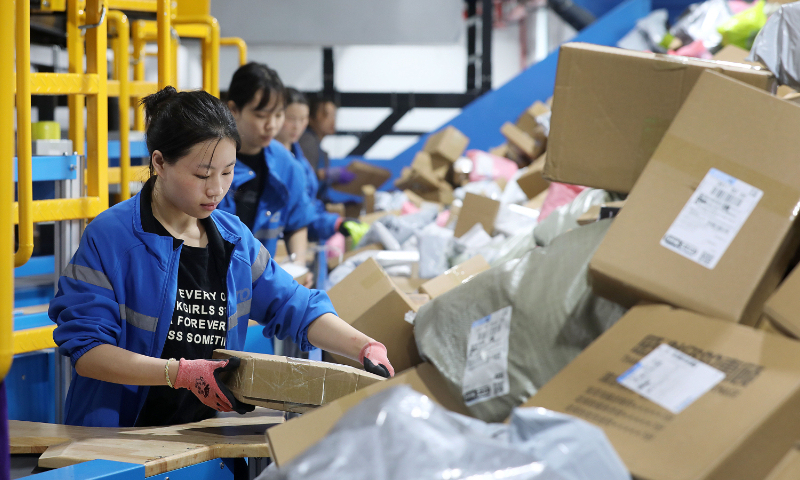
[
  {"x": 783, "y": 306},
  {"x": 476, "y": 209},
  {"x": 637, "y": 259},
  {"x": 612, "y": 106},
  {"x": 461, "y": 273},
  {"x": 291, "y": 384},
  {"x": 737, "y": 430},
  {"x": 366, "y": 174},
  {"x": 290, "y": 439},
  {"x": 448, "y": 143},
  {"x": 368, "y": 300}
]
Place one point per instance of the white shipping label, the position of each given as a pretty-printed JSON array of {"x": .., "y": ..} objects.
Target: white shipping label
[
  {"x": 711, "y": 218},
  {"x": 486, "y": 370},
  {"x": 670, "y": 378}
]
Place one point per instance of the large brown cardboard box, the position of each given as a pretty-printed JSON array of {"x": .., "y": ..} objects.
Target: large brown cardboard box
[
  {"x": 291, "y": 384},
  {"x": 783, "y": 306},
  {"x": 734, "y": 54},
  {"x": 789, "y": 467},
  {"x": 435, "y": 164},
  {"x": 476, "y": 209},
  {"x": 290, "y": 439},
  {"x": 448, "y": 143},
  {"x": 461, "y": 273},
  {"x": 737, "y": 430},
  {"x": 532, "y": 182},
  {"x": 687, "y": 235},
  {"x": 366, "y": 174},
  {"x": 368, "y": 300},
  {"x": 612, "y": 106}
]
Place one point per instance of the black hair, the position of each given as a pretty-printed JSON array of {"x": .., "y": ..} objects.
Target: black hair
[
  {"x": 292, "y": 96},
  {"x": 251, "y": 78},
  {"x": 177, "y": 121},
  {"x": 316, "y": 102}
]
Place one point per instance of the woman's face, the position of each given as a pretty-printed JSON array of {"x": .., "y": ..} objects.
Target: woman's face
[
  {"x": 294, "y": 124},
  {"x": 258, "y": 127},
  {"x": 198, "y": 181}
]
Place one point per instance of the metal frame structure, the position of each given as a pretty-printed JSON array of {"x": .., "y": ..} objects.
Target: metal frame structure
[{"x": 479, "y": 60}]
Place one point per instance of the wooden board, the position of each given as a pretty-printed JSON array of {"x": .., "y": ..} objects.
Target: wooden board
[{"x": 159, "y": 449}]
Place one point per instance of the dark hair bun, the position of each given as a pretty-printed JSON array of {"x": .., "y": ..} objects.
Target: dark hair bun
[{"x": 151, "y": 102}]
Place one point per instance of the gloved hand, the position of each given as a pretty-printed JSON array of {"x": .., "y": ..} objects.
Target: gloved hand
[
  {"x": 340, "y": 175},
  {"x": 375, "y": 360},
  {"x": 350, "y": 227},
  {"x": 202, "y": 377}
]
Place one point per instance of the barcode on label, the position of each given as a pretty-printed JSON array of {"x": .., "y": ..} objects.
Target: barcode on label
[{"x": 726, "y": 197}]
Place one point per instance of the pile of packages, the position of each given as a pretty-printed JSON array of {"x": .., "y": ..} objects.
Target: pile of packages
[{"x": 514, "y": 286}]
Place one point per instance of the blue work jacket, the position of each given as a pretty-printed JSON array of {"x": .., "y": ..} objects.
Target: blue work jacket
[
  {"x": 120, "y": 289},
  {"x": 324, "y": 225},
  {"x": 284, "y": 204}
]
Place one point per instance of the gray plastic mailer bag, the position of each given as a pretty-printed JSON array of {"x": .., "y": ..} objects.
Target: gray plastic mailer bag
[
  {"x": 553, "y": 316},
  {"x": 400, "y": 434},
  {"x": 778, "y": 43}
]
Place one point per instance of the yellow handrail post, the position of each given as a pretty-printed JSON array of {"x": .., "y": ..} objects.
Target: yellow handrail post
[
  {"x": 97, "y": 105},
  {"x": 138, "y": 70},
  {"x": 122, "y": 63},
  {"x": 238, "y": 43},
  {"x": 6, "y": 187},
  {"x": 210, "y": 51},
  {"x": 24, "y": 147},
  {"x": 164, "y": 38},
  {"x": 75, "y": 55}
]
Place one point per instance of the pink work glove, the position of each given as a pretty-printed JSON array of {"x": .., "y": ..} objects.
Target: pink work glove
[
  {"x": 375, "y": 360},
  {"x": 201, "y": 377}
]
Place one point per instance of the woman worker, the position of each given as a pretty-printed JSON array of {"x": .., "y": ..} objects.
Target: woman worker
[{"x": 165, "y": 275}]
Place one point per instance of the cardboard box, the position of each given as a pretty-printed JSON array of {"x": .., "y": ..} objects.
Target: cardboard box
[
  {"x": 734, "y": 54},
  {"x": 409, "y": 285},
  {"x": 533, "y": 182},
  {"x": 537, "y": 202},
  {"x": 461, "y": 273},
  {"x": 366, "y": 174},
  {"x": 528, "y": 122},
  {"x": 737, "y": 430},
  {"x": 290, "y": 439},
  {"x": 638, "y": 260},
  {"x": 368, "y": 300},
  {"x": 368, "y": 191},
  {"x": 476, "y": 209},
  {"x": 336, "y": 261},
  {"x": 783, "y": 306},
  {"x": 500, "y": 150},
  {"x": 337, "y": 208},
  {"x": 531, "y": 147},
  {"x": 291, "y": 384},
  {"x": 449, "y": 143},
  {"x": 433, "y": 164},
  {"x": 789, "y": 467},
  {"x": 612, "y": 107}
]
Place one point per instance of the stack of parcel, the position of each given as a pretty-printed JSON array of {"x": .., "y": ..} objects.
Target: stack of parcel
[{"x": 670, "y": 326}]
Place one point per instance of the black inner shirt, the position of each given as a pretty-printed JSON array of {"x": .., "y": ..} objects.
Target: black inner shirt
[
  {"x": 246, "y": 196},
  {"x": 198, "y": 326}
]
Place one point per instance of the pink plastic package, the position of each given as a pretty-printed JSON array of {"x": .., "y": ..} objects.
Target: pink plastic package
[{"x": 489, "y": 167}]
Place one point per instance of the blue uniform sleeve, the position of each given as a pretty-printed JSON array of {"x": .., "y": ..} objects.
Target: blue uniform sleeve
[
  {"x": 323, "y": 227},
  {"x": 85, "y": 308},
  {"x": 301, "y": 209},
  {"x": 283, "y": 306}
]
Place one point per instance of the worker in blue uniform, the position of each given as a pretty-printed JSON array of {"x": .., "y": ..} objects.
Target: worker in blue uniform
[
  {"x": 295, "y": 122},
  {"x": 166, "y": 275},
  {"x": 269, "y": 188}
]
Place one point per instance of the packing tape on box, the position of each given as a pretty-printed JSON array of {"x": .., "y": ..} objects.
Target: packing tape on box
[
  {"x": 675, "y": 62},
  {"x": 779, "y": 197}
]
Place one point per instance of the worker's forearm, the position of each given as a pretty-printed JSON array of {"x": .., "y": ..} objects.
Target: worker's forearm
[
  {"x": 297, "y": 245},
  {"x": 113, "y": 364},
  {"x": 334, "y": 335}
]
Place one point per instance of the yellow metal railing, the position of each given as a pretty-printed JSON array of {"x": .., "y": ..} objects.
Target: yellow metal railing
[
  {"x": 238, "y": 43},
  {"x": 7, "y": 81},
  {"x": 121, "y": 74},
  {"x": 24, "y": 147}
]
